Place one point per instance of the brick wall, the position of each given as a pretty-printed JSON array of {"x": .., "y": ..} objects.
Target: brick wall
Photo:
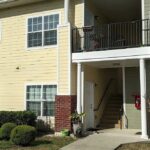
[{"x": 65, "y": 106}]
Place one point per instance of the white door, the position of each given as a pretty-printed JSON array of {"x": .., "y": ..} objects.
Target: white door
[{"x": 89, "y": 104}]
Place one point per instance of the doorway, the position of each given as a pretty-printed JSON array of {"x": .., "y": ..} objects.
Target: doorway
[{"x": 89, "y": 104}]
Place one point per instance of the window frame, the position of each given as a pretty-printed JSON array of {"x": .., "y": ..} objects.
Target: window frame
[
  {"x": 42, "y": 15},
  {"x": 41, "y": 100}
]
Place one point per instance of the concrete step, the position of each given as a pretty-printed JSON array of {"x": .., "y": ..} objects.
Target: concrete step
[
  {"x": 115, "y": 102},
  {"x": 111, "y": 121},
  {"x": 111, "y": 113},
  {"x": 112, "y": 117},
  {"x": 106, "y": 126},
  {"x": 112, "y": 109}
]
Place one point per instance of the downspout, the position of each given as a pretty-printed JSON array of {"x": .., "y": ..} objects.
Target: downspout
[{"x": 66, "y": 11}]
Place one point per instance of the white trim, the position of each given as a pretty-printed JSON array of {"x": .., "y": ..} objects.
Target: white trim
[
  {"x": 79, "y": 66},
  {"x": 124, "y": 96},
  {"x": 58, "y": 37},
  {"x": 46, "y": 13},
  {"x": 143, "y": 9},
  {"x": 69, "y": 60},
  {"x": 66, "y": 11},
  {"x": 143, "y": 98},
  {"x": 82, "y": 90},
  {"x": 109, "y": 55}
]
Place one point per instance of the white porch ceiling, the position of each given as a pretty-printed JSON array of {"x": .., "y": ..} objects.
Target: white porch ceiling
[{"x": 119, "y": 10}]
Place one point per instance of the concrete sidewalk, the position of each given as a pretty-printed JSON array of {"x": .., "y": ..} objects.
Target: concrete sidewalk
[{"x": 105, "y": 140}]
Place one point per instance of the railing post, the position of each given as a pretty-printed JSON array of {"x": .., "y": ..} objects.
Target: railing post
[{"x": 108, "y": 34}]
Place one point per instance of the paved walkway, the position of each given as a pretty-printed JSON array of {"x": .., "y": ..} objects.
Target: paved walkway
[{"x": 105, "y": 140}]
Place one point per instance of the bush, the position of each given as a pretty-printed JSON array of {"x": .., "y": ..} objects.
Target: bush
[
  {"x": 18, "y": 117},
  {"x": 5, "y": 130},
  {"x": 23, "y": 135},
  {"x": 42, "y": 126}
]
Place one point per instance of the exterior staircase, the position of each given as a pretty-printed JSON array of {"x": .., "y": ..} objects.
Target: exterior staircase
[{"x": 111, "y": 117}]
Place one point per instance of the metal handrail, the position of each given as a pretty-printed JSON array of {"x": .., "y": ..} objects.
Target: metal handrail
[
  {"x": 120, "y": 117},
  {"x": 111, "y": 36},
  {"x": 104, "y": 94}
]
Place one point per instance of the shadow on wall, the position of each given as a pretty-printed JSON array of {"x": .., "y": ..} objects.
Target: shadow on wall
[{"x": 132, "y": 88}]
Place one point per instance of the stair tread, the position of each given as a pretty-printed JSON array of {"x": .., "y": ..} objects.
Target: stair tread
[{"x": 110, "y": 118}]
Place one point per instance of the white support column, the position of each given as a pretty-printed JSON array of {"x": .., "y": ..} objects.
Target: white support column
[
  {"x": 82, "y": 91},
  {"x": 66, "y": 11},
  {"x": 82, "y": 88},
  {"x": 124, "y": 97},
  {"x": 143, "y": 98},
  {"x": 79, "y": 67}
]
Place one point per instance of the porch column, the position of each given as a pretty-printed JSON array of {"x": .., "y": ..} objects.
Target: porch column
[
  {"x": 66, "y": 11},
  {"x": 124, "y": 97},
  {"x": 82, "y": 88},
  {"x": 143, "y": 98},
  {"x": 79, "y": 88}
]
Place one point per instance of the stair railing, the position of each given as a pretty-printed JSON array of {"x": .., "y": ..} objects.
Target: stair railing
[
  {"x": 104, "y": 94},
  {"x": 120, "y": 116}
]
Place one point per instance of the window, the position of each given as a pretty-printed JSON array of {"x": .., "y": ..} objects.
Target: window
[
  {"x": 41, "y": 99},
  {"x": 42, "y": 31}
]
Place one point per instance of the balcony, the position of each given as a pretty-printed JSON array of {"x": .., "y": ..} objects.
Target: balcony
[{"x": 112, "y": 36}]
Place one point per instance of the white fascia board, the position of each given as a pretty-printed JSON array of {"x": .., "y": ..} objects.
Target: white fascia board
[{"x": 107, "y": 55}]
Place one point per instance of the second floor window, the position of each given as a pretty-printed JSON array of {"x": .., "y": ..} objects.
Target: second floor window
[{"x": 42, "y": 31}]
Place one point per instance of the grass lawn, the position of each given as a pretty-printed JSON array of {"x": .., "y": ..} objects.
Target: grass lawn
[
  {"x": 42, "y": 143},
  {"x": 135, "y": 146}
]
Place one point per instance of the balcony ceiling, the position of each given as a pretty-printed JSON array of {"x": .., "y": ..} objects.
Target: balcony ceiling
[{"x": 119, "y": 10}]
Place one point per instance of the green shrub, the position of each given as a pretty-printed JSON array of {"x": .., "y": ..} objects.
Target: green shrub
[
  {"x": 23, "y": 135},
  {"x": 6, "y": 130},
  {"x": 18, "y": 117},
  {"x": 1, "y": 134},
  {"x": 42, "y": 126}
]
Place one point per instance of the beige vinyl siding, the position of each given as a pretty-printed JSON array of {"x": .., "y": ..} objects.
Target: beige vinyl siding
[
  {"x": 35, "y": 66},
  {"x": 63, "y": 61},
  {"x": 39, "y": 65},
  {"x": 79, "y": 13}
]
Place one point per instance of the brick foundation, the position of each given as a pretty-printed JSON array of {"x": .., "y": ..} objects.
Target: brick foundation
[{"x": 64, "y": 107}]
